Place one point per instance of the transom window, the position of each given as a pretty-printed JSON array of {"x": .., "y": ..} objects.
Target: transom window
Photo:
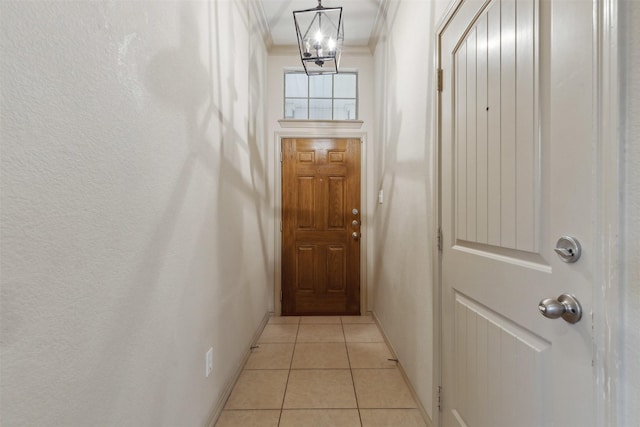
[{"x": 321, "y": 97}]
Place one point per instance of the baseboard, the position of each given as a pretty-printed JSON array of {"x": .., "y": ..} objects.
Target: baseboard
[
  {"x": 421, "y": 408},
  {"x": 213, "y": 418}
]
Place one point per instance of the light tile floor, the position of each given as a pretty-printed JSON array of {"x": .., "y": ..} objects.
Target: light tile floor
[{"x": 321, "y": 372}]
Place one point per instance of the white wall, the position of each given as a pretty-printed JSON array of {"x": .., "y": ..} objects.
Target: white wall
[
  {"x": 134, "y": 200},
  {"x": 630, "y": 304},
  {"x": 402, "y": 279},
  {"x": 360, "y": 61}
]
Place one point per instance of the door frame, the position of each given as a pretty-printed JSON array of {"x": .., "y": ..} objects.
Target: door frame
[
  {"x": 607, "y": 184},
  {"x": 277, "y": 202}
]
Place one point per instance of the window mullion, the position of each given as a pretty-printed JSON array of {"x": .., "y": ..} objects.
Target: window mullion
[
  {"x": 309, "y": 98},
  {"x": 333, "y": 94}
]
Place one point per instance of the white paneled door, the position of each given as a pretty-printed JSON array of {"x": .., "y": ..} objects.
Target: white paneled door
[{"x": 517, "y": 162}]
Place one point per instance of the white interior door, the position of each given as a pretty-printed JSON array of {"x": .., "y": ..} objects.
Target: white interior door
[{"x": 517, "y": 168}]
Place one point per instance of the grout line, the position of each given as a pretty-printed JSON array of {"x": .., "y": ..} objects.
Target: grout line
[
  {"x": 353, "y": 381},
  {"x": 318, "y": 369},
  {"x": 286, "y": 385},
  {"x": 315, "y": 409}
]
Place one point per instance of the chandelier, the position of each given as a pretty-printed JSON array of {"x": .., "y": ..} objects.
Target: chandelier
[{"x": 320, "y": 36}]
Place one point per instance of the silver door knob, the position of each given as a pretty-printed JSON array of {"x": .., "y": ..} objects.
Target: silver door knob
[
  {"x": 355, "y": 235},
  {"x": 566, "y": 306}
]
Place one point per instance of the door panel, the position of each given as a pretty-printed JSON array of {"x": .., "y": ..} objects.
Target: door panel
[
  {"x": 306, "y": 213},
  {"x": 498, "y": 369},
  {"x": 336, "y": 208},
  {"x": 306, "y": 268},
  {"x": 497, "y": 190},
  {"x": 320, "y": 257},
  {"x": 507, "y": 146},
  {"x": 336, "y": 268}
]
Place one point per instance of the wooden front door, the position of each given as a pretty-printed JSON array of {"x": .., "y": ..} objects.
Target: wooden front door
[
  {"x": 518, "y": 166},
  {"x": 320, "y": 226}
]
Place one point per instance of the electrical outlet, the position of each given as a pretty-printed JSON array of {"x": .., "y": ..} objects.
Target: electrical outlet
[
  {"x": 209, "y": 362},
  {"x": 380, "y": 196}
]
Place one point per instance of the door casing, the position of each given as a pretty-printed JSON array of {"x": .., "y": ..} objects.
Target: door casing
[{"x": 364, "y": 226}]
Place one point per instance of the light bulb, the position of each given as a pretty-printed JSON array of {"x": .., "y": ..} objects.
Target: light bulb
[
  {"x": 318, "y": 37},
  {"x": 331, "y": 45}
]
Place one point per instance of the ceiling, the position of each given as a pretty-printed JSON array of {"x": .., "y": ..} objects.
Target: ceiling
[{"x": 359, "y": 18}]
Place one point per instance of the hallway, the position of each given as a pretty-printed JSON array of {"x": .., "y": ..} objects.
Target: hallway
[
  {"x": 142, "y": 204},
  {"x": 321, "y": 371}
]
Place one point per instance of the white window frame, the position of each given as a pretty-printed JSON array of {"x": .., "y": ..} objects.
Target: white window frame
[{"x": 308, "y": 97}]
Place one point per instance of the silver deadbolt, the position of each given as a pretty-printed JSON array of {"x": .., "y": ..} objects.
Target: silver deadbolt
[
  {"x": 568, "y": 248},
  {"x": 566, "y": 306},
  {"x": 355, "y": 212},
  {"x": 355, "y": 223}
]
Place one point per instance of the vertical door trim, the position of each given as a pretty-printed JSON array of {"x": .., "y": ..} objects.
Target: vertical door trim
[
  {"x": 607, "y": 181},
  {"x": 437, "y": 391},
  {"x": 608, "y": 275},
  {"x": 277, "y": 203}
]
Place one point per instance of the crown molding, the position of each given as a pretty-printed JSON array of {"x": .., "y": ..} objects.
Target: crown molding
[
  {"x": 261, "y": 20},
  {"x": 378, "y": 25}
]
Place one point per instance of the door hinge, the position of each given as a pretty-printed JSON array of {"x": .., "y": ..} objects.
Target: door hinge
[
  {"x": 439, "y": 239},
  {"x": 280, "y": 295},
  {"x": 439, "y": 79},
  {"x": 439, "y": 398},
  {"x": 281, "y": 157},
  {"x": 281, "y": 226}
]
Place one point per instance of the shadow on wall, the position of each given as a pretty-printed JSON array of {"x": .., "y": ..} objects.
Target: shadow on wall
[
  {"x": 179, "y": 78},
  {"x": 215, "y": 126}
]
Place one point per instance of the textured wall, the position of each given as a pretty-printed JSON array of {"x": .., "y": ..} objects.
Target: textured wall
[
  {"x": 402, "y": 279},
  {"x": 134, "y": 203},
  {"x": 630, "y": 340}
]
